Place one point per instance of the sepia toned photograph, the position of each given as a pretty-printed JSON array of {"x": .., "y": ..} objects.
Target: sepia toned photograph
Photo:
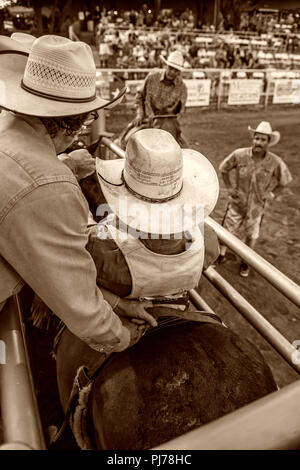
[{"x": 149, "y": 228}]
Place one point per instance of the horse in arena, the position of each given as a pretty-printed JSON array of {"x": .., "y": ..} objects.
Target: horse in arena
[{"x": 181, "y": 375}]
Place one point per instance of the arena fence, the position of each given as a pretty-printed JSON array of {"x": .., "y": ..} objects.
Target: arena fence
[
  {"x": 219, "y": 88},
  {"x": 269, "y": 423}
]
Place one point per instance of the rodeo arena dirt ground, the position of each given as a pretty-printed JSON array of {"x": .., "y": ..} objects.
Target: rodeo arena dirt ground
[{"x": 216, "y": 134}]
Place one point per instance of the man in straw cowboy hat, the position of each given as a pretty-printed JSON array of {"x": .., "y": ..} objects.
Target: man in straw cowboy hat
[
  {"x": 47, "y": 92},
  {"x": 164, "y": 93},
  {"x": 258, "y": 175}
]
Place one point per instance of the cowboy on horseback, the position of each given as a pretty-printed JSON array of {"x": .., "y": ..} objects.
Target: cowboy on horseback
[{"x": 161, "y": 100}]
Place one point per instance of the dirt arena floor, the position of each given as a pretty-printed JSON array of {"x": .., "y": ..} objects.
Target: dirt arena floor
[{"x": 216, "y": 134}]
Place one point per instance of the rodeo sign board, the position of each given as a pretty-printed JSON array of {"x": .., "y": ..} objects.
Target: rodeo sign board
[
  {"x": 198, "y": 92},
  {"x": 243, "y": 91},
  {"x": 286, "y": 91}
]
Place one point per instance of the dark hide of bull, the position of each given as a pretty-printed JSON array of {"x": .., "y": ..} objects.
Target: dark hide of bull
[{"x": 171, "y": 382}]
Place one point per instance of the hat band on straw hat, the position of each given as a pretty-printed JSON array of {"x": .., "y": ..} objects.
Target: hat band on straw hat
[
  {"x": 150, "y": 199},
  {"x": 55, "y": 97},
  {"x": 138, "y": 195}
]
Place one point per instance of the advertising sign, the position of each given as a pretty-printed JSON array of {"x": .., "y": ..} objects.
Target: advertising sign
[
  {"x": 243, "y": 91},
  {"x": 198, "y": 92},
  {"x": 286, "y": 91}
]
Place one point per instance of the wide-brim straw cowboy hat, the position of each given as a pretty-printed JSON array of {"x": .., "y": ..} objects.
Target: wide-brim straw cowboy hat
[
  {"x": 56, "y": 79},
  {"x": 175, "y": 60},
  {"x": 159, "y": 187},
  {"x": 265, "y": 128}
]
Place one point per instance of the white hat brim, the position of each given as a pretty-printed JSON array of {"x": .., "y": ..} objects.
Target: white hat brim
[
  {"x": 274, "y": 136},
  {"x": 171, "y": 64},
  {"x": 18, "y": 42},
  {"x": 16, "y": 99},
  {"x": 200, "y": 190}
]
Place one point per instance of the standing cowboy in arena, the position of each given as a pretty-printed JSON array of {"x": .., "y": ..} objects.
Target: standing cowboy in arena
[
  {"x": 258, "y": 176},
  {"x": 46, "y": 97},
  {"x": 164, "y": 93}
]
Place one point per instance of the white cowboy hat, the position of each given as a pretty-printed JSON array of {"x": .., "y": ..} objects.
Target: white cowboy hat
[
  {"x": 265, "y": 128},
  {"x": 175, "y": 60},
  {"x": 57, "y": 79},
  {"x": 159, "y": 187},
  {"x": 18, "y": 43}
]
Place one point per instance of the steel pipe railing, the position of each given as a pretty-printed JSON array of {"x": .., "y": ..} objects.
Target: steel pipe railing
[
  {"x": 199, "y": 302},
  {"x": 19, "y": 408},
  {"x": 265, "y": 328},
  {"x": 281, "y": 282},
  {"x": 113, "y": 147},
  {"x": 270, "y": 423}
]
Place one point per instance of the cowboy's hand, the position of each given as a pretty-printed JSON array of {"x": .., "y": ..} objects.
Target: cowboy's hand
[
  {"x": 136, "y": 331},
  {"x": 150, "y": 119},
  {"x": 138, "y": 120},
  {"x": 233, "y": 193},
  {"x": 85, "y": 163},
  {"x": 136, "y": 311}
]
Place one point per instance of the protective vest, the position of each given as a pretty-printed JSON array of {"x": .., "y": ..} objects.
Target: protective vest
[{"x": 153, "y": 274}]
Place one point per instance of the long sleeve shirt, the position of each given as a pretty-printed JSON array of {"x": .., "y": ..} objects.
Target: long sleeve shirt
[
  {"x": 159, "y": 95},
  {"x": 43, "y": 235}
]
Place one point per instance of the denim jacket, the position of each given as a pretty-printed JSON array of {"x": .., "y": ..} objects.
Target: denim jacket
[{"x": 43, "y": 235}]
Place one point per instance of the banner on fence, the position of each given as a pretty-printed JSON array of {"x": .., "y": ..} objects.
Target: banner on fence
[
  {"x": 286, "y": 91},
  {"x": 198, "y": 92},
  {"x": 243, "y": 91}
]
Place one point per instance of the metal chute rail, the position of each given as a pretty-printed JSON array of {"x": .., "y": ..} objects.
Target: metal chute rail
[{"x": 21, "y": 422}]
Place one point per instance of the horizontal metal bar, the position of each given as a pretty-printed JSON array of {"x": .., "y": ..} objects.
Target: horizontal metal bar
[
  {"x": 19, "y": 409},
  {"x": 265, "y": 328},
  {"x": 199, "y": 302},
  {"x": 115, "y": 148},
  {"x": 279, "y": 280},
  {"x": 270, "y": 423}
]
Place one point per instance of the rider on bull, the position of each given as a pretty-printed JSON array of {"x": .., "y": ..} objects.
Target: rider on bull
[
  {"x": 164, "y": 93},
  {"x": 156, "y": 200}
]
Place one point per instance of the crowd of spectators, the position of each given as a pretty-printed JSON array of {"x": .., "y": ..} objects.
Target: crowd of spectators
[
  {"x": 135, "y": 48},
  {"x": 132, "y": 39}
]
